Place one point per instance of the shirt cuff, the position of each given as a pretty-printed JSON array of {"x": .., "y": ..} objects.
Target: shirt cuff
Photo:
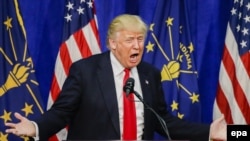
[{"x": 36, "y": 138}]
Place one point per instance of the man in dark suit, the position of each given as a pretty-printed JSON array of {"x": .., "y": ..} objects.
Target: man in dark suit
[{"x": 91, "y": 100}]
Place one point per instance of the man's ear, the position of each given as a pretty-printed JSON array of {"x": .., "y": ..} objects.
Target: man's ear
[{"x": 112, "y": 44}]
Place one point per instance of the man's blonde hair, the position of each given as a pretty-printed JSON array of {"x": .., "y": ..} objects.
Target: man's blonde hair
[{"x": 126, "y": 22}]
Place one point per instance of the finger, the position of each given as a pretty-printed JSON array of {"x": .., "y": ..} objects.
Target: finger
[
  {"x": 222, "y": 119},
  {"x": 222, "y": 116},
  {"x": 12, "y": 125},
  {"x": 19, "y": 116},
  {"x": 13, "y": 131}
]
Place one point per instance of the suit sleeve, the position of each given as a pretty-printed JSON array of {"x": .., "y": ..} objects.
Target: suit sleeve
[{"x": 64, "y": 107}]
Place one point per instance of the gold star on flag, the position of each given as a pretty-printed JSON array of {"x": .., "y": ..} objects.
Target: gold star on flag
[
  {"x": 150, "y": 47},
  {"x": 8, "y": 23},
  {"x": 3, "y": 137},
  {"x": 25, "y": 138},
  {"x": 6, "y": 116},
  {"x": 191, "y": 47},
  {"x": 194, "y": 98},
  {"x": 169, "y": 21},
  {"x": 180, "y": 116},
  {"x": 27, "y": 109},
  {"x": 174, "y": 106}
]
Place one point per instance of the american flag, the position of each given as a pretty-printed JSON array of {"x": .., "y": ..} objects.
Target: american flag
[
  {"x": 80, "y": 40},
  {"x": 233, "y": 95}
]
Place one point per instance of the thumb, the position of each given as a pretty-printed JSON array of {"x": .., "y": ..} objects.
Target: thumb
[{"x": 222, "y": 118}]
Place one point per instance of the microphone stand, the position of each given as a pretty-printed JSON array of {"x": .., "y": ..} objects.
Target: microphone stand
[{"x": 162, "y": 122}]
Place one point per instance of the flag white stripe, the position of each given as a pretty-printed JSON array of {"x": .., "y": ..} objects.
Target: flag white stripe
[
  {"x": 96, "y": 20},
  {"x": 216, "y": 111},
  {"x": 50, "y": 101},
  {"x": 91, "y": 39},
  {"x": 227, "y": 89},
  {"x": 62, "y": 134},
  {"x": 60, "y": 73},
  {"x": 60, "y": 76},
  {"x": 73, "y": 49}
]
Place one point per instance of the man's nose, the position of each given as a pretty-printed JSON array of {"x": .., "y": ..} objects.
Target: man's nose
[{"x": 136, "y": 44}]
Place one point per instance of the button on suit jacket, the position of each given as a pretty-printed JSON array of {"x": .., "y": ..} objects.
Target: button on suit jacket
[{"x": 88, "y": 105}]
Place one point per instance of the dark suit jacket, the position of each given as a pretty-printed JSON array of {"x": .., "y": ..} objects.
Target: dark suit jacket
[{"x": 88, "y": 105}]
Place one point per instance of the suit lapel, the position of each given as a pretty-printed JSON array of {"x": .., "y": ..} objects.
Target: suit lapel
[
  {"x": 145, "y": 84},
  {"x": 147, "y": 97},
  {"x": 106, "y": 80}
]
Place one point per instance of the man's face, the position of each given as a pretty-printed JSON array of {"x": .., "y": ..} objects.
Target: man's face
[{"x": 127, "y": 46}]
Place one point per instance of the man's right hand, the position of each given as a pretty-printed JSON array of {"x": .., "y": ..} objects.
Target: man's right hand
[{"x": 24, "y": 128}]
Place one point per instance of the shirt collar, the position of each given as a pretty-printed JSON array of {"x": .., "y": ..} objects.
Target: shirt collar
[{"x": 117, "y": 67}]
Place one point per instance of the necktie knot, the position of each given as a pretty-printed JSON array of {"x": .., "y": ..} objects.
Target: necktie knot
[
  {"x": 126, "y": 76},
  {"x": 127, "y": 70}
]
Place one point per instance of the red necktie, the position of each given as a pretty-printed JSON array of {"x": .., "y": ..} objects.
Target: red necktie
[{"x": 129, "y": 117}]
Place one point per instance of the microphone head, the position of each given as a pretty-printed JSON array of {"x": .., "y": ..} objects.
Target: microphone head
[{"x": 129, "y": 86}]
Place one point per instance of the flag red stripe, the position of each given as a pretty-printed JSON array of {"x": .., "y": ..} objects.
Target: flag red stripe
[
  {"x": 82, "y": 44},
  {"x": 224, "y": 105},
  {"x": 55, "y": 91},
  {"x": 53, "y": 138},
  {"x": 245, "y": 60},
  {"x": 238, "y": 92},
  {"x": 64, "y": 54}
]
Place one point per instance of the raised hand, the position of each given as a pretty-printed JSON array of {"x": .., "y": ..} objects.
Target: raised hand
[{"x": 24, "y": 128}]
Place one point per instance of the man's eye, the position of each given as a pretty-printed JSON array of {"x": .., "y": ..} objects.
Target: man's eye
[
  {"x": 129, "y": 41},
  {"x": 140, "y": 39}
]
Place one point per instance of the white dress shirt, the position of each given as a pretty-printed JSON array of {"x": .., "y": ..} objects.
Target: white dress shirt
[{"x": 118, "y": 72}]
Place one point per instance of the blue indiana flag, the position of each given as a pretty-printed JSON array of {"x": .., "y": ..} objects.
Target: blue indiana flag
[
  {"x": 169, "y": 47},
  {"x": 18, "y": 86}
]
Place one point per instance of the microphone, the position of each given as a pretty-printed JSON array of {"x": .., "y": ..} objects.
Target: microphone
[{"x": 129, "y": 88}]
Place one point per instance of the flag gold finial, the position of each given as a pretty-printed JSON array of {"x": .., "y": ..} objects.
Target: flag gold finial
[
  {"x": 15, "y": 78},
  {"x": 170, "y": 71}
]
